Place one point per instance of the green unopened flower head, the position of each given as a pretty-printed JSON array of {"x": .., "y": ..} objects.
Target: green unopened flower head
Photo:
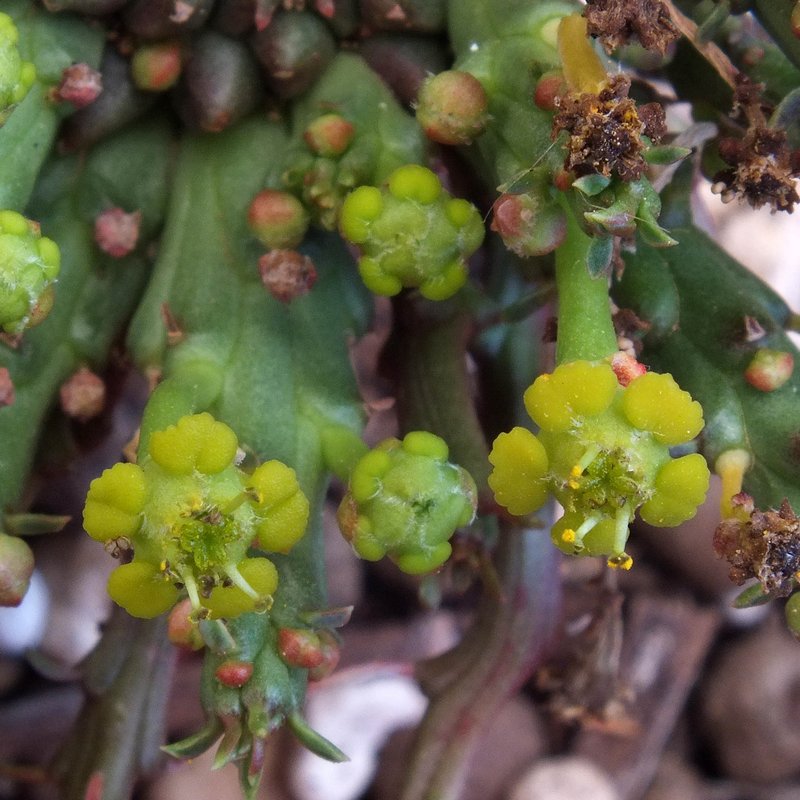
[
  {"x": 190, "y": 515},
  {"x": 412, "y": 233},
  {"x": 603, "y": 452},
  {"x": 29, "y": 264},
  {"x": 405, "y": 500},
  {"x": 16, "y": 75}
]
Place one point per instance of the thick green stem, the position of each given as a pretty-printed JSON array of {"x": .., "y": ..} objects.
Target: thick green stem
[
  {"x": 585, "y": 329},
  {"x": 432, "y": 382}
]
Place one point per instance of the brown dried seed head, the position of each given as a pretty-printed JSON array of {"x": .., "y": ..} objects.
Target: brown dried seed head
[{"x": 616, "y": 22}]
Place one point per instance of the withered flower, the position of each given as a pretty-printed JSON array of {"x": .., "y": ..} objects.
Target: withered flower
[
  {"x": 605, "y": 130},
  {"x": 761, "y": 544},
  {"x": 616, "y": 22},
  {"x": 762, "y": 166}
]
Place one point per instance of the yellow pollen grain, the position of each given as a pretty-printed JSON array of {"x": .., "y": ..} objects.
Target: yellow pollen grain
[
  {"x": 622, "y": 561},
  {"x": 568, "y": 535}
]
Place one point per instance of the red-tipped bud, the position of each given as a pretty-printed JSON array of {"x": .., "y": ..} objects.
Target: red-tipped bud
[
  {"x": 331, "y": 652},
  {"x": 329, "y": 135},
  {"x": 300, "y": 647},
  {"x": 794, "y": 19},
  {"x": 182, "y": 629},
  {"x": 234, "y": 674},
  {"x": 452, "y": 107},
  {"x": 626, "y": 368},
  {"x": 83, "y": 395},
  {"x": 527, "y": 225},
  {"x": 548, "y": 89},
  {"x": 117, "y": 232},
  {"x": 157, "y": 67},
  {"x": 7, "y": 394},
  {"x": 80, "y": 85},
  {"x": 769, "y": 369},
  {"x": 287, "y": 274},
  {"x": 277, "y": 219},
  {"x": 16, "y": 568}
]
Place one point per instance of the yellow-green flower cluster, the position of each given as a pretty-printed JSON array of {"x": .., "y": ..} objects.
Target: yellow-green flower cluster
[
  {"x": 190, "y": 515},
  {"x": 16, "y": 75},
  {"x": 405, "y": 500},
  {"x": 603, "y": 452},
  {"x": 29, "y": 264},
  {"x": 412, "y": 234}
]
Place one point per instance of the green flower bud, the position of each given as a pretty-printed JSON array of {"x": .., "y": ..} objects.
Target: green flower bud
[
  {"x": 452, "y": 107},
  {"x": 16, "y": 75},
  {"x": 405, "y": 501},
  {"x": 412, "y": 234},
  {"x": 191, "y": 515},
  {"x": 29, "y": 264}
]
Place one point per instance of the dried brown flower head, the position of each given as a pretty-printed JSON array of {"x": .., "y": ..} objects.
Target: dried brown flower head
[
  {"x": 616, "y": 22},
  {"x": 605, "y": 130},
  {"x": 762, "y": 167},
  {"x": 761, "y": 544}
]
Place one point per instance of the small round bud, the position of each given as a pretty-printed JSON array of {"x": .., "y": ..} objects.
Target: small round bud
[
  {"x": 287, "y": 274},
  {"x": 234, "y": 674},
  {"x": 548, "y": 89},
  {"x": 182, "y": 628},
  {"x": 331, "y": 653},
  {"x": 794, "y": 19},
  {"x": 329, "y": 135},
  {"x": 117, "y": 232},
  {"x": 156, "y": 67},
  {"x": 529, "y": 224},
  {"x": 80, "y": 85},
  {"x": 83, "y": 395},
  {"x": 300, "y": 647},
  {"x": 769, "y": 369},
  {"x": 452, "y": 107},
  {"x": 16, "y": 568},
  {"x": 277, "y": 219}
]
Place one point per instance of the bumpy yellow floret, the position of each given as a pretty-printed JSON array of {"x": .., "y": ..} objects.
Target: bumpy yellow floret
[
  {"x": 681, "y": 485},
  {"x": 602, "y": 452},
  {"x": 520, "y": 464},
  {"x": 191, "y": 516},
  {"x": 283, "y": 504},
  {"x": 142, "y": 589},
  {"x": 655, "y": 403},
  {"x": 114, "y": 502},
  {"x": 575, "y": 389},
  {"x": 196, "y": 442}
]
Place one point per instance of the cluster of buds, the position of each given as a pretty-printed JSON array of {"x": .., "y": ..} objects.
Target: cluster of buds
[
  {"x": 405, "y": 500},
  {"x": 328, "y": 169},
  {"x": 190, "y": 515},
  {"x": 412, "y": 233},
  {"x": 603, "y": 453}
]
